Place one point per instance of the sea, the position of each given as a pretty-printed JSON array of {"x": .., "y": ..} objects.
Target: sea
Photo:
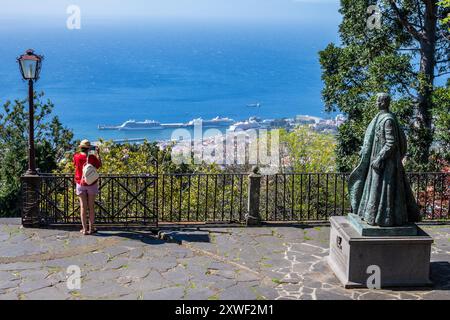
[{"x": 169, "y": 71}]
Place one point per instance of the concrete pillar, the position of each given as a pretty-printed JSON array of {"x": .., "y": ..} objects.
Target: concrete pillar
[{"x": 254, "y": 187}]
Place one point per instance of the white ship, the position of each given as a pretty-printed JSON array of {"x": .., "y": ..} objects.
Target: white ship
[
  {"x": 134, "y": 125},
  {"x": 215, "y": 122},
  {"x": 251, "y": 123},
  {"x": 151, "y": 124}
]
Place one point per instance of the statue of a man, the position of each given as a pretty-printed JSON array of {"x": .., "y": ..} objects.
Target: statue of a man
[{"x": 380, "y": 193}]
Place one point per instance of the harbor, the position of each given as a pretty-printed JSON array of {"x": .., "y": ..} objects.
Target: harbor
[
  {"x": 316, "y": 123},
  {"x": 132, "y": 131},
  {"x": 155, "y": 125}
]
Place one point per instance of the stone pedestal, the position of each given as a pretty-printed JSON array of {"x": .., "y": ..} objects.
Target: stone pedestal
[
  {"x": 30, "y": 201},
  {"x": 253, "y": 218},
  {"x": 403, "y": 260}
]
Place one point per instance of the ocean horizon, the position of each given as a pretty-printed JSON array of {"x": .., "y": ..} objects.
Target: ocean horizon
[{"x": 106, "y": 73}]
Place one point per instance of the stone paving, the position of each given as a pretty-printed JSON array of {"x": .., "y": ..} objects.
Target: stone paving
[{"x": 210, "y": 263}]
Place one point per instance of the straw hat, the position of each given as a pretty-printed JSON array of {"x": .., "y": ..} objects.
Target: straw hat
[{"x": 85, "y": 144}]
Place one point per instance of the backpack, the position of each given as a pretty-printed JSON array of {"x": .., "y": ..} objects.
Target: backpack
[{"x": 90, "y": 174}]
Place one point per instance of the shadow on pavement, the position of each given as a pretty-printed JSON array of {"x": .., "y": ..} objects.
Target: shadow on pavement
[{"x": 440, "y": 275}]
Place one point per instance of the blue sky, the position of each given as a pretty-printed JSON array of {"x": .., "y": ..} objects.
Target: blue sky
[{"x": 175, "y": 9}]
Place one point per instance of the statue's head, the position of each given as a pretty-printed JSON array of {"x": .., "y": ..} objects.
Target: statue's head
[{"x": 383, "y": 101}]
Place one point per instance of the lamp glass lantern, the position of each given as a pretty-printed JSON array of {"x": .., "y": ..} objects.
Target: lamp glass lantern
[{"x": 30, "y": 65}]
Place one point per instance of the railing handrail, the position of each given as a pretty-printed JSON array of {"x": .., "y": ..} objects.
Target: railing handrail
[
  {"x": 225, "y": 173},
  {"x": 225, "y": 197},
  {"x": 106, "y": 175}
]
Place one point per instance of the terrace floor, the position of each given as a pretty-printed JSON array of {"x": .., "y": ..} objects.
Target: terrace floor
[{"x": 210, "y": 263}]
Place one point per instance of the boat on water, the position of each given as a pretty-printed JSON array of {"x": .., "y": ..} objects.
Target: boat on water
[
  {"x": 254, "y": 105},
  {"x": 215, "y": 122},
  {"x": 152, "y": 125},
  {"x": 251, "y": 123},
  {"x": 134, "y": 125}
]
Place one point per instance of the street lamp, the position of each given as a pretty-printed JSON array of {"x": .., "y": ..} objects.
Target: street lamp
[{"x": 30, "y": 67}]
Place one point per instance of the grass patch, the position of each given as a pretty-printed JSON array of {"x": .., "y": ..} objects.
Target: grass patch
[
  {"x": 53, "y": 270},
  {"x": 274, "y": 233},
  {"x": 75, "y": 294},
  {"x": 257, "y": 294},
  {"x": 66, "y": 243},
  {"x": 238, "y": 256},
  {"x": 214, "y": 297},
  {"x": 12, "y": 230},
  {"x": 277, "y": 281}
]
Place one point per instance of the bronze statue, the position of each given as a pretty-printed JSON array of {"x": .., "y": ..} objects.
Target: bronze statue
[{"x": 380, "y": 193}]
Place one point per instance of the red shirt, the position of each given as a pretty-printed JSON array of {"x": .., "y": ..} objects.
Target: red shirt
[{"x": 79, "y": 160}]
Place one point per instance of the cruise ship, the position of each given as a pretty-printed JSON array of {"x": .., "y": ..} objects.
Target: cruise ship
[
  {"x": 151, "y": 124},
  {"x": 215, "y": 122},
  {"x": 133, "y": 125},
  {"x": 251, "y": 123}
]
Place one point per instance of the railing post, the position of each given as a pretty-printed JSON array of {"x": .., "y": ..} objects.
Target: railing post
[
  {"x": 254, "y": 186},
  {"x": 30, "y": 200}
]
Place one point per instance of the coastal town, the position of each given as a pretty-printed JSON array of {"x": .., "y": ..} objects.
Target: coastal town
[
  {"x": 227, "y": 125},
  {"x": 241, "y": 143}
]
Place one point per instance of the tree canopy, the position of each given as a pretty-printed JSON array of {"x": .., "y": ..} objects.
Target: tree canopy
[
  {"x": 403, "y": 55},
  {"x": 52, "y": 141}
]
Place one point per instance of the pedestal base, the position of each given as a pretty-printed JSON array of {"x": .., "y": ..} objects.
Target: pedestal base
[
  {"x": 402, "y": 260},
  {"x": 30, "y": 201},
  {"x": 366, "y": 229}
]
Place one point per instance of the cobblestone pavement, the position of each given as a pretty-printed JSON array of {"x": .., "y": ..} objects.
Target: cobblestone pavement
[{"x": 210, "y": 263}]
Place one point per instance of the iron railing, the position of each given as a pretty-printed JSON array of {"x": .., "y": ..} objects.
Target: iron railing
[
  {"x": 432, "y": 192},
  {"x": 223, "y": 197},
  {"x": 203, "y": 197},
  {"x": 122, "y": 199},
  {"x": 304, "y": 196}
]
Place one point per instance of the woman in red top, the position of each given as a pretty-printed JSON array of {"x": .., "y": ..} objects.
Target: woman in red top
[{"x": 86, "y": 193}]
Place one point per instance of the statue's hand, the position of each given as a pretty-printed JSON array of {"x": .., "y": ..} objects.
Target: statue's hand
[{"x": 377, "y": 164}]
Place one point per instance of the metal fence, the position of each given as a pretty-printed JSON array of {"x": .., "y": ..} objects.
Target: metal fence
[
  {"x": 304, "y": 196},
  {"x": 223, "y": 197},
  {"x": 203, "y": 197},
  {"x": 432, "y": 192},
  {"x": 122, "y": 199}
]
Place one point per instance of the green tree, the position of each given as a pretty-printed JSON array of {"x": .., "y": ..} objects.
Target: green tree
[
  {"x": 52, "y": 140},
  {"x": 304, "y": 150},
  {"x": 403, "y": 56},
  {"x": 441, "y": 116},
  {"x": 446, "y": 19},
  {"x": 132, "y": 158}
]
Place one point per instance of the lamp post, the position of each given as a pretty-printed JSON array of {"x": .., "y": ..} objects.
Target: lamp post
[{"x": 30, "y": 67}]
